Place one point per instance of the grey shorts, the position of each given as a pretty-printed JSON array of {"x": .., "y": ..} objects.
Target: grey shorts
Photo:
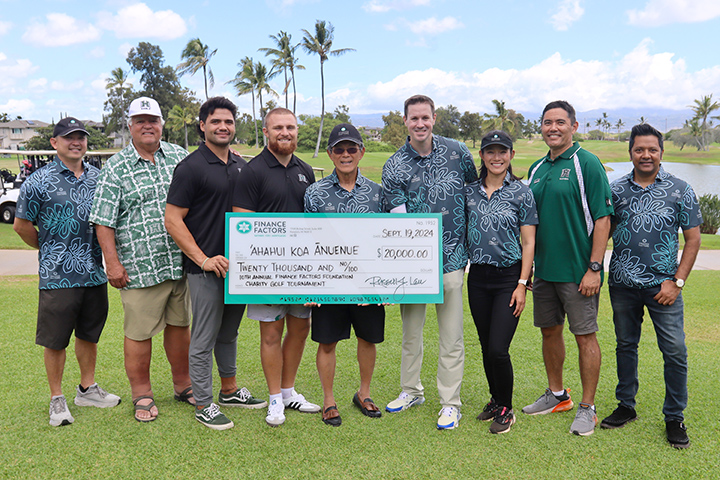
[
  {"x": 273, "y": 313},
  {"x": 552, "y": 301}
]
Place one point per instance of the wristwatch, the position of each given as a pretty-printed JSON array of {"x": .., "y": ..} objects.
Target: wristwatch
[
  {"x": 595, "y": 266},
  {"x": 522, "y": 282},
  {"x": 679, "y": 282}
]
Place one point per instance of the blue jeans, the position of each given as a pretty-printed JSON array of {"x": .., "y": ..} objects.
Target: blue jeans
[{"x": 627, "y": 304}]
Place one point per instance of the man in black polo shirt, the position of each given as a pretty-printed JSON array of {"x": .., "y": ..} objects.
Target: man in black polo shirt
[
  {"x": 200, "y": 194},
  {"x": 275, "y": 181}
]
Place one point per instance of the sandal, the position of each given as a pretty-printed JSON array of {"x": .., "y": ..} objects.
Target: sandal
[
  {"x": 185, "y": 396},
  {"x": 146, "y": 408}
]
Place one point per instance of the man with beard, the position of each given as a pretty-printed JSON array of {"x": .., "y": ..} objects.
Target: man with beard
[
  {"x": 199, "y": 196},
  {"x": 275, "y": 181}
]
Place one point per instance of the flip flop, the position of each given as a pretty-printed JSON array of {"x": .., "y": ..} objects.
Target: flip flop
[
  {"x": 185, "y": 396},
  {"x": 147, "y": 408}
]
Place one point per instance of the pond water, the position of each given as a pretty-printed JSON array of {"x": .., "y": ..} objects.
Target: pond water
[{"x": 703, "y": 179}]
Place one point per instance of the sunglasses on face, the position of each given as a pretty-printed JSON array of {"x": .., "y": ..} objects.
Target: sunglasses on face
[{"x": 350, "y": 150}]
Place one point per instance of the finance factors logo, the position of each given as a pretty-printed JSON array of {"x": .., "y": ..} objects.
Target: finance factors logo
[{"x": 244, "y": 226}]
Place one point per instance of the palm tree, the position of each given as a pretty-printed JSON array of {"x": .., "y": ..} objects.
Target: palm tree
[
  {"x": 285, "y": 58},
  {"x": 703, "y": 108},
  {"x": 619, "y": 125},
  {"x": 244, "y": 83},
  {"x": 501, "y": 120},
  {"x": 197, "y": 56},
  {"x": 262, "y": 76},
  {"x": 321, "y": 45},
  {"x": 642, "y": 120},
  {"x": 118, "y": 79},
  {"x": 179, "y": 118}
]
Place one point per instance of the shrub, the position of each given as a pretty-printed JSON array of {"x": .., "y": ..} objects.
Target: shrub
[
  {"x": 710, "y": 209},
  {"x": 372, "y": 146}
]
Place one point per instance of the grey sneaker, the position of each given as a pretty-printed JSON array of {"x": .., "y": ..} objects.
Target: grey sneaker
[
  {"x": 95, "y": 397},
  {"x": 59, "y": 413},
  {"x": 240, "y": 398},
  {"x": 213, "y": 418},
  {"x": 585, "y": 420},
  {"x": 548, "y": 403}
]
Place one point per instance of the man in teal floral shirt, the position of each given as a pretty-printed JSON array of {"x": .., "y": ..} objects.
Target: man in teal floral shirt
[
  {"x": 142, "y": 259},
  {"x": 428, "y": 175},
  {"x": 73, "y": 286},
  {"x": 650, "y": 207}
]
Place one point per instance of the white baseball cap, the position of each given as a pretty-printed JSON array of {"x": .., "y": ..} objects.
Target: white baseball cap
[{"x": 144, "y": 106}]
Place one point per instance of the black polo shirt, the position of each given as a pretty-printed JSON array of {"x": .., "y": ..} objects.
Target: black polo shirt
[
  {"x": 265, "y": 185},
  {"x": 204, "y": 184}
]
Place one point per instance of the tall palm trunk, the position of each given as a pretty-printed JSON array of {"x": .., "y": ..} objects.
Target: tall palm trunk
[
  {"x": 257, "y": 140},
  {"x": 292, "y": 75},
  {"x": 322, "y": 109},
  {"x": 262, "y": 117}
]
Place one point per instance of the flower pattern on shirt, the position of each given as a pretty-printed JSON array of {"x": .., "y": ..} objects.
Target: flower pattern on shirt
[{"x": 645, "y": 239}]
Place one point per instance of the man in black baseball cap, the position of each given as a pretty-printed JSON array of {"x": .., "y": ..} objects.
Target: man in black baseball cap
[
  {"x": 346, "y": 190},
  {"x": 68, "y": 125},
  {"x": 72, "y": 282}
]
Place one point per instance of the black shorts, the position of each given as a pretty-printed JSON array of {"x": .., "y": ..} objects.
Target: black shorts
[
  {"x": 331, "y": 323},
  {"x": 62, "y": 310}
]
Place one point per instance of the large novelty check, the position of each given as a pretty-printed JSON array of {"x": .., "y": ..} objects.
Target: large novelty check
[{"x": 333, "y": 258}]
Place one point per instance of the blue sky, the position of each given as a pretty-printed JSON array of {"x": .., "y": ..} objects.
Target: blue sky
[{"x": 611, "y": 54}]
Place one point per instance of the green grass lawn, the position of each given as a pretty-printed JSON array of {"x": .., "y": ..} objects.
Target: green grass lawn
[{"x": 108, "y": 443}]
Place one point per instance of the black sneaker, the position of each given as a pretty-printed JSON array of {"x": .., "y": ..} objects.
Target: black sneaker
[
  {"x": 489, "y": 411},
  {"x": 619, "y": 418},
  {"x": 677, "y": 434},
  {"x": 504, "y": 419}
]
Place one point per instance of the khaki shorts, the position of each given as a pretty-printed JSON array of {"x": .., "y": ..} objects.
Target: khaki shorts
[{"x": 148, "y": 310}]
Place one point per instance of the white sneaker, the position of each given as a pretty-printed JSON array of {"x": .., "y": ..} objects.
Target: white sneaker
[
  {"x": 59, "y": 412},
  {"x": 449, "y": 418},
  {"x": 403, "y": 402},
  {"x": 298, "y": 402},
  {"x": 276, "y": 413},
  {"x": 95, "y": 397}
]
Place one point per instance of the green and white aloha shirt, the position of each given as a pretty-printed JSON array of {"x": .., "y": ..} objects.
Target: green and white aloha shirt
[{"x": 130, "y": 198}]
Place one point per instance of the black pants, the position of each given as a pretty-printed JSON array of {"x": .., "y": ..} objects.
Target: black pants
[{"x": 490, "y": 290}]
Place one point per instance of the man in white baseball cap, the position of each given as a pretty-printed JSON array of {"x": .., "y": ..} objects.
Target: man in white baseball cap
[{"x": 141, "y": 258}]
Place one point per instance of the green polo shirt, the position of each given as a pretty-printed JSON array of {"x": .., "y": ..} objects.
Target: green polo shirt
[
  {"x": 568, "y": 205},
  {"x": 130, "y": 197}
]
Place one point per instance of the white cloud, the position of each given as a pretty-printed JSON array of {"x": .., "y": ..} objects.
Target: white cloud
[
  {"x": 16, "y": 106},
  {"x": 433, "y": 26},
  {"x": 664, "y": 12},
  {"x": 124, "y": 49},
  {"x": 569, "y": 12},
  {"x": 139, "y": 21},
  {"x": 100, "y": 82},
  {"x": 97, "y": 52},
  {"x": 59, "y": 30},
  {"x": 5, "y": 27},
  {"x": 38, "y": 83},
  {"x": 638, "y": 79},
  {"x": 381, "y": 6},
  {"x": 66, "y": 87},
  {"x": 11, "y": 71}
]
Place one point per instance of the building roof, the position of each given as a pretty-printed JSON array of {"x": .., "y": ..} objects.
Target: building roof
[{"x": 23, "y": 124}]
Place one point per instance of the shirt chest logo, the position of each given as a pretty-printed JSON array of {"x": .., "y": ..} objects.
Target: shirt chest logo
[
  {"x": 565, "y": 174},
  {"x": 644, "y": 243},
  {"x": 302, "y": 178}
]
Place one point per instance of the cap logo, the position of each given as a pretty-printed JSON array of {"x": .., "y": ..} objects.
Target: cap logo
[
  {"x": 496, "y": 136},
  {"x": 144, "y": 104},
  {"x": 72, "y": 121}
]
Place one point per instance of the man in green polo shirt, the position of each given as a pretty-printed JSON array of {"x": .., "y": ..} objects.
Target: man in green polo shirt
[{"x": 574, "y": 206}]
